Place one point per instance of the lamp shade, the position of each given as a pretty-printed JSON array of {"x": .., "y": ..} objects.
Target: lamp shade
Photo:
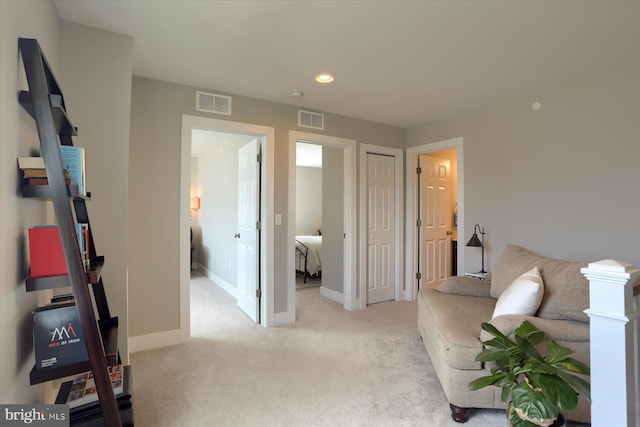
[
  {"x": 474, "y": 241},
  {"x": 195, "y": 203}
]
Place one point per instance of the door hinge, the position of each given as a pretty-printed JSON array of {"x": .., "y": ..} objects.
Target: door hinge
[
  {"x": 419, "y": 170},
  {"x": 418, "y": 275},
  {"x": 259, "y": 157},
  {"x": 419, "y": 223},
  {"x": 258, "y": 225},
  {"x": 258, "y": 293}
]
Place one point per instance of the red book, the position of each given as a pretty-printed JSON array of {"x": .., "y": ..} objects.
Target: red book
[{"x": 45, "y": 251}]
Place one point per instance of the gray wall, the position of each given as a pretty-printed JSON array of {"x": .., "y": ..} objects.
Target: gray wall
[
  {"x": 96, "y": 80},
  {"x": 308, "y": 200},
  {"x": 33, "y": 19},
  {"x": 154, "y": 177},
  {"x": 333, "y": 217},
  {"x": 563, "y": 181}
]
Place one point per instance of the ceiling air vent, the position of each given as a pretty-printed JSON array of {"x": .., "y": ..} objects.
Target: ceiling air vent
[
  {"x": 213, "y": 103},
  {"x": 307, "y": 119}
]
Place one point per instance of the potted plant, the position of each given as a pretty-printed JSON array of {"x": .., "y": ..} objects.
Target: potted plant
[{"x": 537, "y": 387}]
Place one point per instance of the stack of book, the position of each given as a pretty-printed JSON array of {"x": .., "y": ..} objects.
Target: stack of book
[
  {"x": 84, "y": 406},
  {"x": 34, "y": 172},
  {"x": 73, "y": 158}
]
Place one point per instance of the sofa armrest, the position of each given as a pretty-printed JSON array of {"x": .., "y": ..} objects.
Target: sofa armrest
[
  {"x": 566, "y": 331},
  {"x": 461, "y": 285}
]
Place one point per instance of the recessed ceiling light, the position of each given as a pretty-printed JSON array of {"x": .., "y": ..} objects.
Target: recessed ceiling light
[{"x": 324, "y": 78}]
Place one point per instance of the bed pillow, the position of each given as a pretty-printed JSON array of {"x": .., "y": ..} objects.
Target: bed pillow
[{"x": 523, "y": 296}]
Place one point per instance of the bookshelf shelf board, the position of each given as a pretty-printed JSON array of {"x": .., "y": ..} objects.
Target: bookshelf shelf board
[
  {"x": 44, "y": 192},
  {"x": 109, "y": 333},
  {"x": 60, "y": 118},
  {"x": 53, "y": 282}
]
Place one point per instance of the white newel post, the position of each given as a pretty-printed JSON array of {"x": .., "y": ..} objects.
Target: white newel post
[{"x": 612, "y": 316}]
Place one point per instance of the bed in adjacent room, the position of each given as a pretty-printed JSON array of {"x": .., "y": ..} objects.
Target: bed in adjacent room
[{"x": 308, "y": 255}]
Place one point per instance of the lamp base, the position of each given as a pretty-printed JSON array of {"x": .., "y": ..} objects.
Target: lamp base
[{"x": 480, "y": 275}]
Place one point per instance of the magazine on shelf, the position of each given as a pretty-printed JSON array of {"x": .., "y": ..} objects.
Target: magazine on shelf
[{"x": 83, "y": 387}]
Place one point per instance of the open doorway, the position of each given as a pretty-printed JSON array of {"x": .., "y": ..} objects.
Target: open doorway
[
  {"x": 309, "y": 215},
  {"x": 224, "y": 243},
  {"x": 431, "y": 245},
  {"x": 264, "y": 203},
  {"x": 336, "y": 231}
]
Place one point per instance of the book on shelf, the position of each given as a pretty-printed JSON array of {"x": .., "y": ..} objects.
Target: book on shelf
[
  {"x": 45, "y": 252},
  {"x": 83, "y": 387},
  {"x": 33, "y": 162},
  {"x": 57, "y": 336},
  {"x": 42, "y": 181},
  {"x": 91, "y": 413},
  {"x": 73, "y": 157},
  {"x": 39, "y": 173}
]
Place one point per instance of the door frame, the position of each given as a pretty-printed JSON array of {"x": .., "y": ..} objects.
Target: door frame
[
  {"x": 349, "y": 300},
  {"x": 267, "y": 267},
  {"x": 396, "y": 153},
  {"x": 412, "y": 153}
]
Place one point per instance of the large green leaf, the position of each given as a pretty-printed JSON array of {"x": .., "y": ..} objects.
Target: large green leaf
[
  {"x": 482, "y": 382},
  {"x": 556, "y": 352},
  {"x": 533, "y": 405},
  {"x": 500, "y": 337},
  {"x": 572, "y": 365},
  {"x": 489, "y": 355},
  {"x": 579, "y": 384},
  {"x": 515, "y": 421}
]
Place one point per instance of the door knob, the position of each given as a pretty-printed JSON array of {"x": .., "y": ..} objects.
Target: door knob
[
  {"x": 236, "y": 235},
  {"x": 449, "y": 232}
]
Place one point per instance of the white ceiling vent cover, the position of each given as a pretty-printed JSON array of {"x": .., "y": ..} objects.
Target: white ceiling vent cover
[
  {"x": 307, "y": 119},
  {"x": 213, "y": 103}
]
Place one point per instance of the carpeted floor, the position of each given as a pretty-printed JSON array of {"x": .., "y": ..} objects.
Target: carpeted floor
[{"x": 331, "y": 368}]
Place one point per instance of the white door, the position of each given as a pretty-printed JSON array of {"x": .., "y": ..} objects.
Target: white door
[
  {"x": 248, "y": 234},
  {"x": 434, "y": 220},
  {"x": 380, "y": 228}
]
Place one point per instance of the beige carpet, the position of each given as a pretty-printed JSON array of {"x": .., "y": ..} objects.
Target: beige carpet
[{"x": 332, "y": 368}]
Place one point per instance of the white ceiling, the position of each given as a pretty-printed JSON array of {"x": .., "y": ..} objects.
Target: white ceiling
[{"x": 401, "y": 63}]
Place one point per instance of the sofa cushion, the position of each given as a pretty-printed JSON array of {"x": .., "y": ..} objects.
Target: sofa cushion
[
  {"x": 455, "y": 323},
  {"x": 566, "y": 293},
  {"x": 523, "y": 296}
]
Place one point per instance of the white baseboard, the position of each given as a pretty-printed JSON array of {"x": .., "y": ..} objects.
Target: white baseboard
[
  {"x": 226, "y": 286},
  {"x": 155, "y": 340},
  {"x": 283, "y": 318},
  {"x": 332, "y": 295}
]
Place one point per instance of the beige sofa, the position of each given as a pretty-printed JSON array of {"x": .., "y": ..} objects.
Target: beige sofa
[{"x": 449, "y": 322}]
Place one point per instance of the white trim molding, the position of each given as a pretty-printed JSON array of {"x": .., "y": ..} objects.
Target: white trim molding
[
  {"x": 397, "y": 154},
  {"x": 331, "y": 294},
  {"x": 411, "y": 186},
  {"x": 155, "y": 340}
]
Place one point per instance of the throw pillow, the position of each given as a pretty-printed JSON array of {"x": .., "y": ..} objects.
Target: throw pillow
[{"x": 523, "y": 296}]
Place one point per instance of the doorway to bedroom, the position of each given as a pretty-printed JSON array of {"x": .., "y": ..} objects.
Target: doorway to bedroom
[
  {"x": 309, "y": 215},
  {"x": 251, "y": 168},
  {"x": 321, "y": 217}
]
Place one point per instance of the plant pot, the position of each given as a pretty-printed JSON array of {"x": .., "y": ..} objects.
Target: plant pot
[{"x": 559, "y": 422}]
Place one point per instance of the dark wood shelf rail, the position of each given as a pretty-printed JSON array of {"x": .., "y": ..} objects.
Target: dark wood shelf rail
[{"x": 43, "y": 89}]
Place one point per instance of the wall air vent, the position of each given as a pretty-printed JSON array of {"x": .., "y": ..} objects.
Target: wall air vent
[
  {"x": 307, "y": 119},
  {"x": 213, "y": 103}
]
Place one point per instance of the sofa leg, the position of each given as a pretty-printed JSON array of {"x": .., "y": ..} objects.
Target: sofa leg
[{"x": 459, "y": 415}]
